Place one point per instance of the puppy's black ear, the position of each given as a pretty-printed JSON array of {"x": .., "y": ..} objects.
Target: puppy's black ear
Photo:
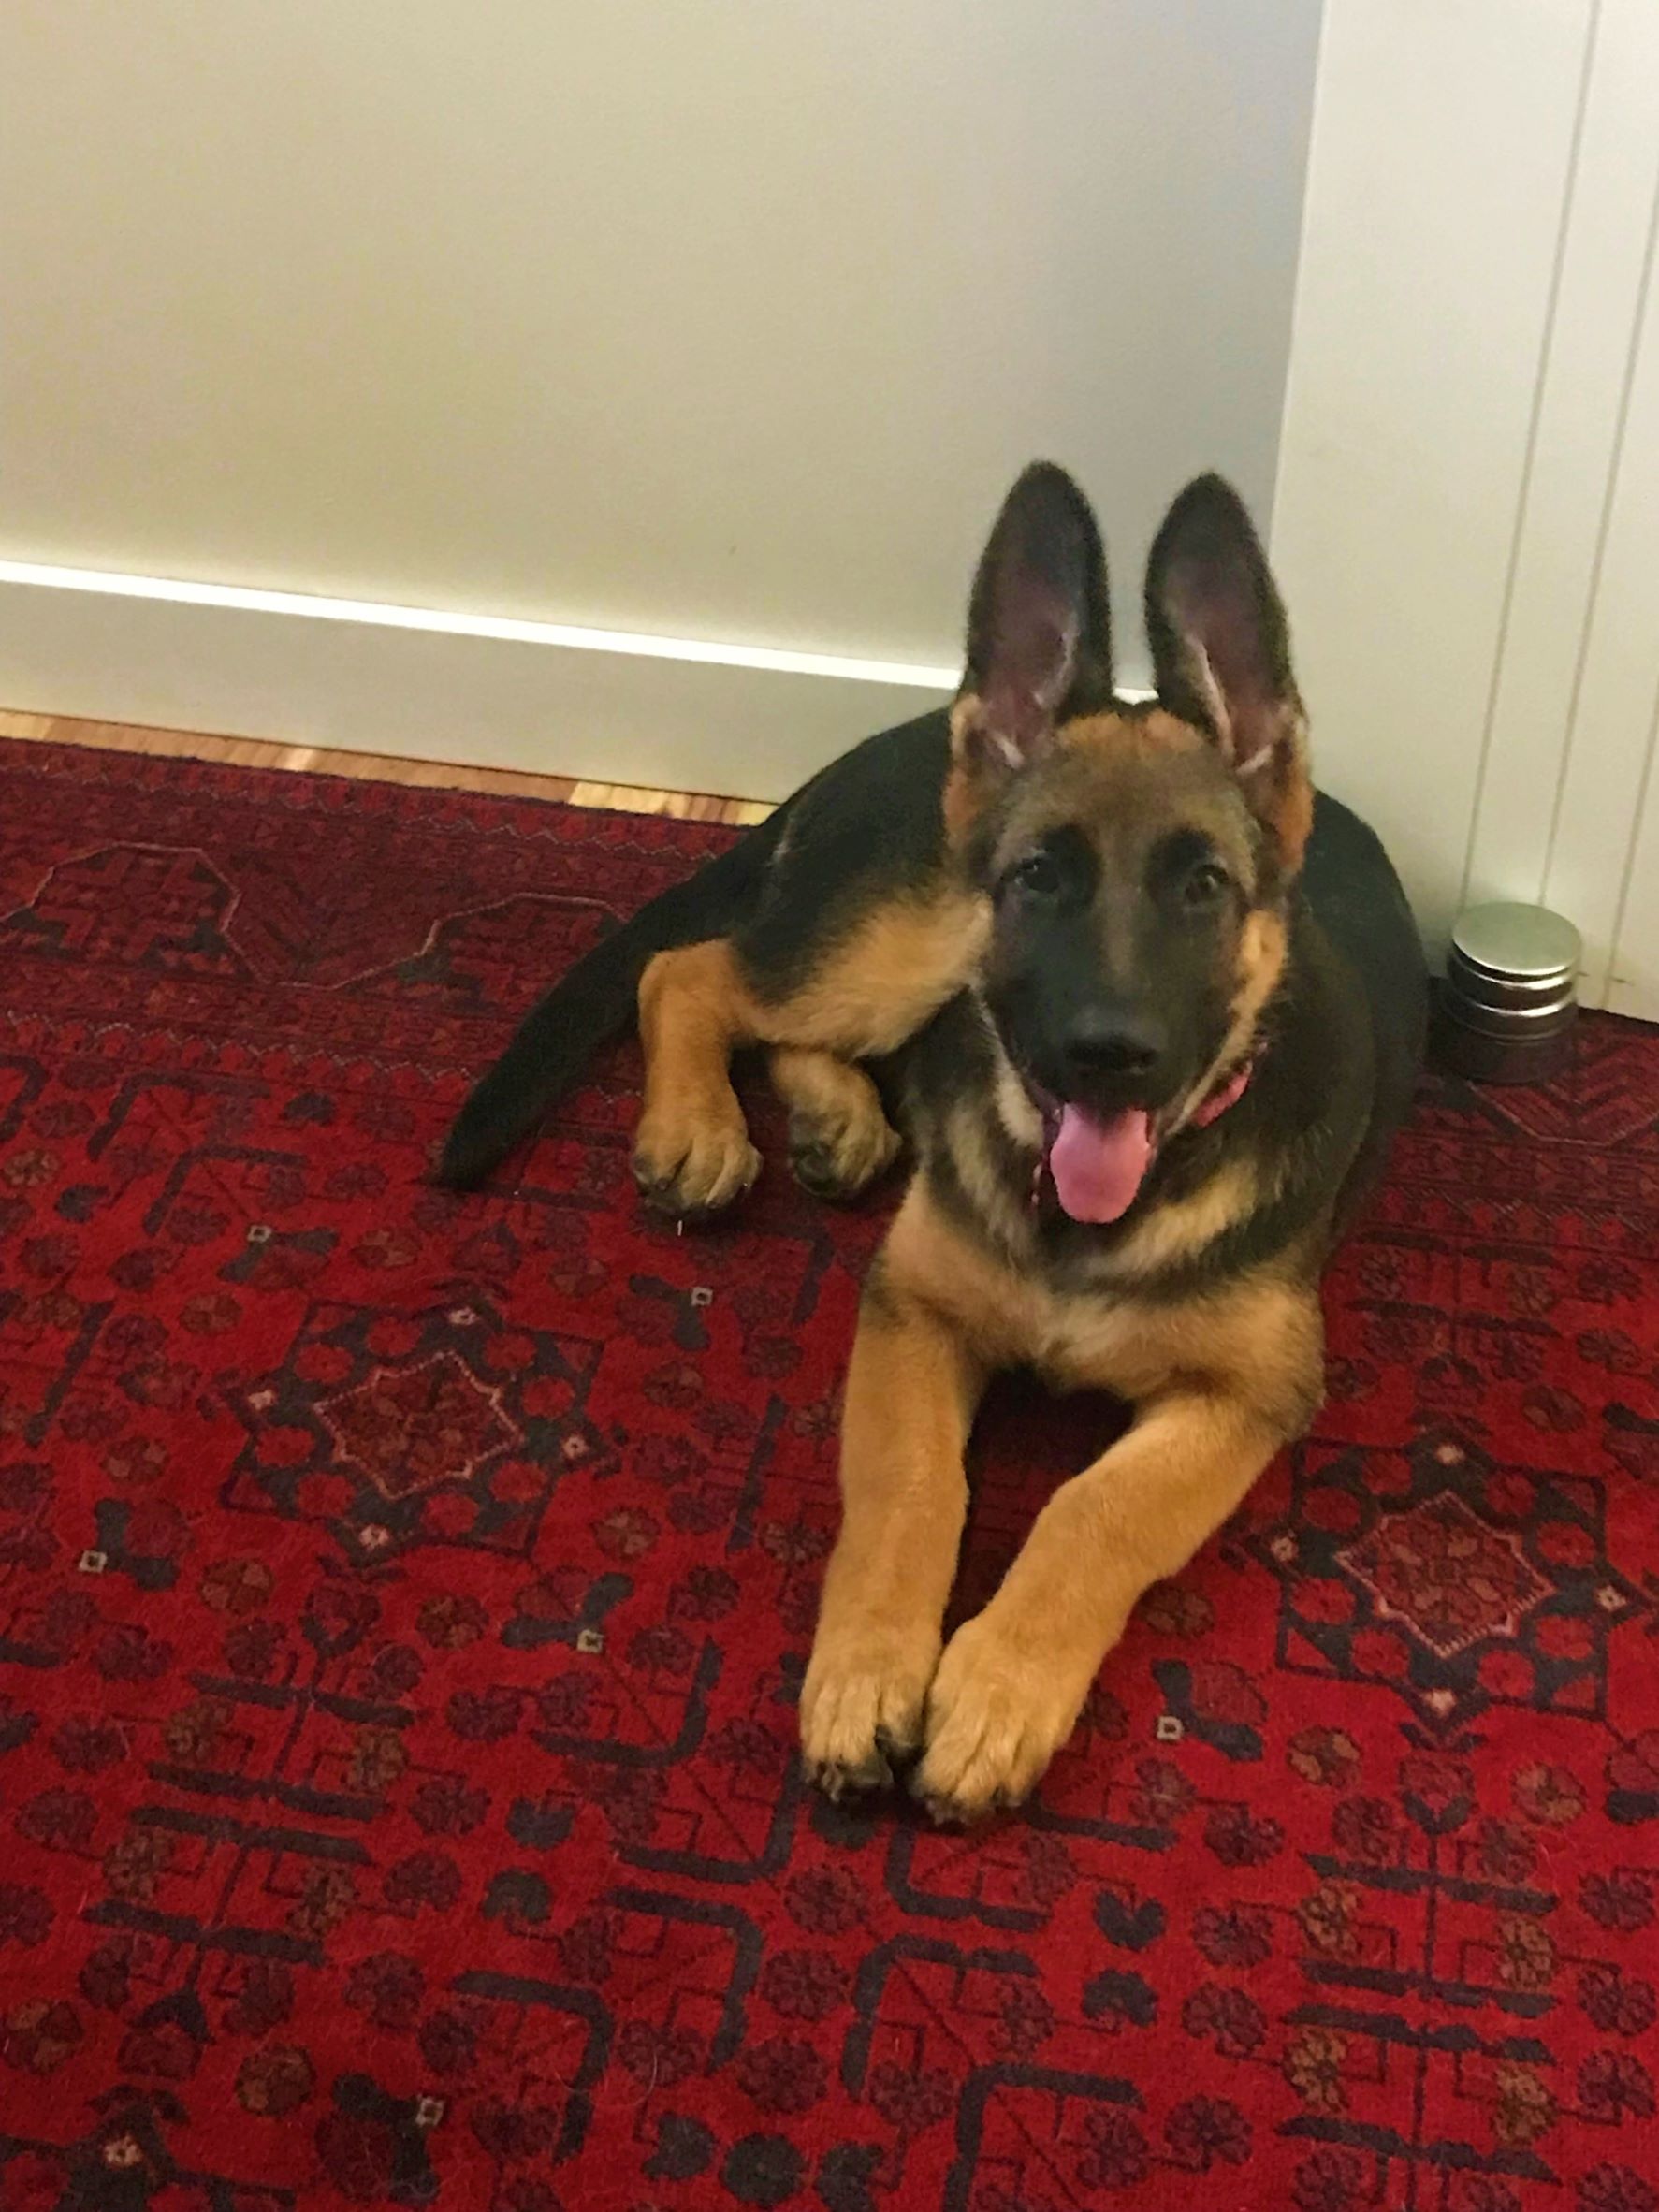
[
  {"x": 1038, "y": 627},
  {"x": 1221, "y": 654}
]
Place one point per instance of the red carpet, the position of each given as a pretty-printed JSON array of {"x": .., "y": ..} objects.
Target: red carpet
[{"x": 402, "y": 1600}]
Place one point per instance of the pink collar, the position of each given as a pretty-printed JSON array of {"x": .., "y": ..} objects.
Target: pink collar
[{"x": 1224, "y": 1095}]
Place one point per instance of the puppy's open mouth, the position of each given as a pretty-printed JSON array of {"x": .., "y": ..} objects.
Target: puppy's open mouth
[{"x": 1097, "y": 1162}]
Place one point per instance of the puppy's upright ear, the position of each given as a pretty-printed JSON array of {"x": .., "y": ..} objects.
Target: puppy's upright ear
[
  {"x": 1039, "y": 637},
  {"x": 1221, "y": 655}
]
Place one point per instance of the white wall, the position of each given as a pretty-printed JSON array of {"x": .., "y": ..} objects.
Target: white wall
[
  {"x": 1467, "y": 520},
  {"x": 725, "y": 320}
]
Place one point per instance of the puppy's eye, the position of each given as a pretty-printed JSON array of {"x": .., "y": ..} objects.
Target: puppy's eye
[
  {"x": 1038, "y": 876},
  {"x": 1204, "y": 884}
]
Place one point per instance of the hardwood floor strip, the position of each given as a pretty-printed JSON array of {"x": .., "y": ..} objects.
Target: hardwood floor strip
[{"x": 255, "y": 752}]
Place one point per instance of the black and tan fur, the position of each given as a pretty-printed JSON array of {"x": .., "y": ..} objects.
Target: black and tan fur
[{"x": 1043, "y": 894}]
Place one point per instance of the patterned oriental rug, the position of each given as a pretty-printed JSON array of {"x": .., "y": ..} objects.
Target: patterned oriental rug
[{"x": 404, "y": 1599}]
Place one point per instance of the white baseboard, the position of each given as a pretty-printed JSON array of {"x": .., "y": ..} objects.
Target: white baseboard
[{"x": 678, "y": 714}]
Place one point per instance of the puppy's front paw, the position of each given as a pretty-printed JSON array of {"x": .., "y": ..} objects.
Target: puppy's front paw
[
  {"x": 862, "y": 1705},
  {"x": 996, "y": 1713},
  {"x": 689, "y": 1162}
]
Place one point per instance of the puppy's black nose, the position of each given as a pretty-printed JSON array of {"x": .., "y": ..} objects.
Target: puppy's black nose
[{"x": 1107, "y": 1041}]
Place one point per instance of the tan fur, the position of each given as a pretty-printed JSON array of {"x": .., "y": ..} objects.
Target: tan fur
[
  {"x": 1219, "y": 1382},
  {"x": 1285, "y": 799},
  {"x": 979, "y": 772},
  {"x": 911, "y": 1391},
  {"x": 1176, "y": 1232},
  {"x": 874, "y": 989},
  {"x": 1011, "y": 1682},
  {"x": 1263, "y": 945},
  {"x": 1248, "y": 1337},
  {"x": 841, "y": 1140},
  {"x": 1276, "y": 780},
  {"x": 693, "y": 1146},
  {"x": 1015, "y": 1108},
  {"x": 889, "y": 976},
  {"x": 979, "y": 769},
  {"x": 1005, "y": 1213},
  {"x": 1278, "y": 788},
  {"x": 1147, "y": 734}
]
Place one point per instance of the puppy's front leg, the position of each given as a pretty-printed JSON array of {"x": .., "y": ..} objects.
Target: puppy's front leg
[
  {"x": 912, "y": 1390},
  {"x": 1012, "y": 1682},
  {"x": 691, "y": 1153}
]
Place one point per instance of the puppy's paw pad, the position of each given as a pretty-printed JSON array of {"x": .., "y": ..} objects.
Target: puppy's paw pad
[
  {"x": 837, "y": 1780},
  {"x": 861, "y": 1718}
]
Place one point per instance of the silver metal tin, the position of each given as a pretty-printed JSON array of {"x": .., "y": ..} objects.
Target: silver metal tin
[
  {"x": 1517, "y": 944},
  {"x": 1505, "y": 993},
  {"x": 1513, "y": 1021},
  {"x": 1506, "y": 1009}
]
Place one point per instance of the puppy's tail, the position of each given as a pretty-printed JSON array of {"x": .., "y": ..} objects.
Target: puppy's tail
[{"x": 591, "y": 1003}]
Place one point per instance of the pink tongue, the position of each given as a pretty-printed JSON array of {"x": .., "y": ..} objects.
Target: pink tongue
[{"x": 1098, "y": 1166}]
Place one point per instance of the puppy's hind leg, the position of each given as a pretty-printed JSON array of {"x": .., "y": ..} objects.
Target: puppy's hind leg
[{"x": 840, "y": 1139}]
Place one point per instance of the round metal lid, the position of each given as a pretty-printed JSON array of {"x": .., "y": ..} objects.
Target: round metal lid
[{"x": 1511, "y": 939}]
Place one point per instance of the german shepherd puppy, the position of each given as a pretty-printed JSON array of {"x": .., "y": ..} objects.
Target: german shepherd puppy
[{"x": 1163, "y": 1008}]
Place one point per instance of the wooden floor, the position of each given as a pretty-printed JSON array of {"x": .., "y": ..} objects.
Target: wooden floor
[{"x": 253, "y": 752}]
